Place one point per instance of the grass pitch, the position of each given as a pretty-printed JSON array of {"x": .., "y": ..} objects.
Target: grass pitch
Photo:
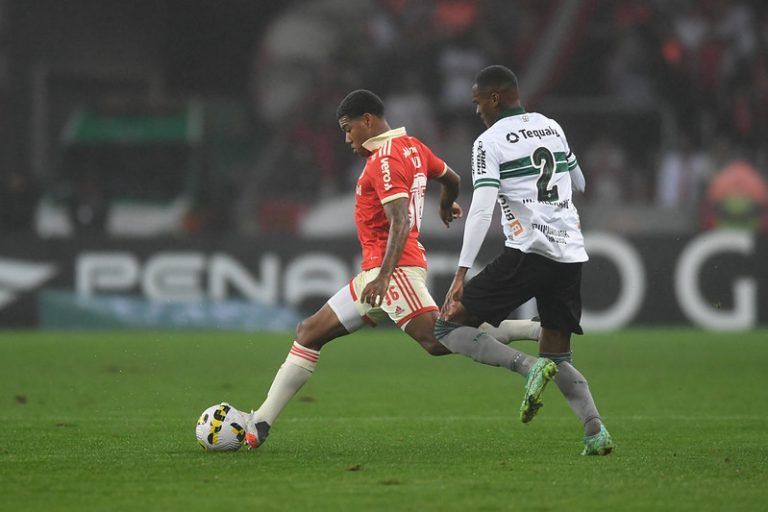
[{"x": 105, "y": 421}]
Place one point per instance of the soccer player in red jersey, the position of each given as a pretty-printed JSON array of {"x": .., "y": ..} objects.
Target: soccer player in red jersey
[{"x": 388, "y": 210}]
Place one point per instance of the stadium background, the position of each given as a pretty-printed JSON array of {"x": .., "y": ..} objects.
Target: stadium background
[{"x": 177, "y": 163}]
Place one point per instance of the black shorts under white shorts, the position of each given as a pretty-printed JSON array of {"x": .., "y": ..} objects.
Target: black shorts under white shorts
[{"x": 515, "y": 277}]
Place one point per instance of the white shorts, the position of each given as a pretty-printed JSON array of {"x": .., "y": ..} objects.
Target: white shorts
[{"x": 406, "y": 298}]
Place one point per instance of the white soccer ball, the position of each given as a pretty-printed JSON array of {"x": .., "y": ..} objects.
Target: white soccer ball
[{"x": 220, "y": 428}]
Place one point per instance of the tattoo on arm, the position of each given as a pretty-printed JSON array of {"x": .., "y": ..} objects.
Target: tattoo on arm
[{"x": 399, "y": 228}]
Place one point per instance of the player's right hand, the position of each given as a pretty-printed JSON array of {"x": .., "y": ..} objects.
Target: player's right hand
[
  {"x": 450, "y": 214},
  {"x": 375, "y": 291}
]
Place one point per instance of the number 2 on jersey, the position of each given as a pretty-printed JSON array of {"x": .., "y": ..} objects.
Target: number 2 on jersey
[{"x": 544, "y": 161}]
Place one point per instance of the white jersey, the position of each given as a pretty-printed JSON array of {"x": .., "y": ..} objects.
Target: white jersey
[{"x": 524, "y": 156}]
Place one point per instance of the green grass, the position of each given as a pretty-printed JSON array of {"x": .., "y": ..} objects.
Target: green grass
[{"x": 105, "y": 421}]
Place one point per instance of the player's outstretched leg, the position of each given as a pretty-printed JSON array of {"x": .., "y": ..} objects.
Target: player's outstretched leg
[
  {"x": 300, "y": 363},
  {"x": 542, "y": 372},
  {"x": 295, "y": 371}
]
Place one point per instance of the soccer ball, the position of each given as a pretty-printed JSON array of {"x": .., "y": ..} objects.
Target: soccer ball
[{"x": 220, "y": 428}]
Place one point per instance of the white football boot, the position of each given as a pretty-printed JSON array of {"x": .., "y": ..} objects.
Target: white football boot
[{"x": 256, "y": 432}]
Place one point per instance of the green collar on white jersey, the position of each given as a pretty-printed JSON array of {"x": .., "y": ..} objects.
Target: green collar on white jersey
[{"x": 515, "y": 111}]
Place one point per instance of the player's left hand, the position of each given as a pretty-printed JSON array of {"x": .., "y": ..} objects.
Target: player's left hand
[
  {"x": 375, "y": 291},
  {"x": 450, "y": 214},
  {"x": 452, "y": 303}
]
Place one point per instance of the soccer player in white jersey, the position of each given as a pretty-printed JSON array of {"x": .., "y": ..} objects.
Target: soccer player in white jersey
[
  {"x": 523, "y": 162},
  {"x": 388, "y": 208}
]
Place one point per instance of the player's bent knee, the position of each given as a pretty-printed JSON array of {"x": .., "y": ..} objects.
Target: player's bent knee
[
  {"x": 302, "y": 331},
  {"x": 317, "y": 330},
  {"x": 421, "y": 330},
  {"x": 434, "y": 347},
  {"x": 306, "y": 336}
]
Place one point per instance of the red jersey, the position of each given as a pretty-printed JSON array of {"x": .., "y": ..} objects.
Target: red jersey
[{"x": 399, "y": 166}]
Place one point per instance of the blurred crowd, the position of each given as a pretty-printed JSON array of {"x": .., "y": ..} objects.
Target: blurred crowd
[
  {"x": 695, "y": 71},
  {"x": 663, "y": 101},
  {"x": 707, "y": 63}
]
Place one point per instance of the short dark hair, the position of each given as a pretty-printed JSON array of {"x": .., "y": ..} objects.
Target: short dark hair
[
  {"x": 360, "y": 102},
  {"x": 497, "y": 77}
]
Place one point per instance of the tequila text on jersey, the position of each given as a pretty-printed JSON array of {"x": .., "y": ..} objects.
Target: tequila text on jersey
[{"x": 530, "y": 134}]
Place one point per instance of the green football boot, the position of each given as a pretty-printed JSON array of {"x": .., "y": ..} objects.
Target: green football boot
[
  {"x": 539, "y": 376},
  {"x": 598, "y": 444}
]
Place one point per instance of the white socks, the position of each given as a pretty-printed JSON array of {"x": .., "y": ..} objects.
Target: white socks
[{"x": 295, "y": 371}]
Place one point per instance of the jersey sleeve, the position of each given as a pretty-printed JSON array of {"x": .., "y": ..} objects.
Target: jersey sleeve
[
  {"x": 485, "y": 165},
  {"x": 486, "y": 182},
  {"x": 390, "y": 178},
  {"x": 436, "y": 167},
  {"x": 477, "y": 224},
  {"x": 577, "y": 177}
]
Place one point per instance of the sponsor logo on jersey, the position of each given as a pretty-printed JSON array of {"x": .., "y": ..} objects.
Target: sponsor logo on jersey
[
  {"x": 554, "y": 235},
  {"x": 513, "y": 137},
  {"x": 386, "y": 175},
  {"x": 506, "y": 210},
  {"x": 479, "y": 159},
  {"x": 517, "y": 228}
]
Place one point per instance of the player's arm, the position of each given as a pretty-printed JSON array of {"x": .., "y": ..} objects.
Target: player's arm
[
  {"x": 449, "y": 208},
  {"x": 486, "y": 181},
  {"x": 578, "y": 183},
  {"x": 577, "y": 179},
  {"x": 399, "y": 228},
  {"x": 475, "y": 229}
]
